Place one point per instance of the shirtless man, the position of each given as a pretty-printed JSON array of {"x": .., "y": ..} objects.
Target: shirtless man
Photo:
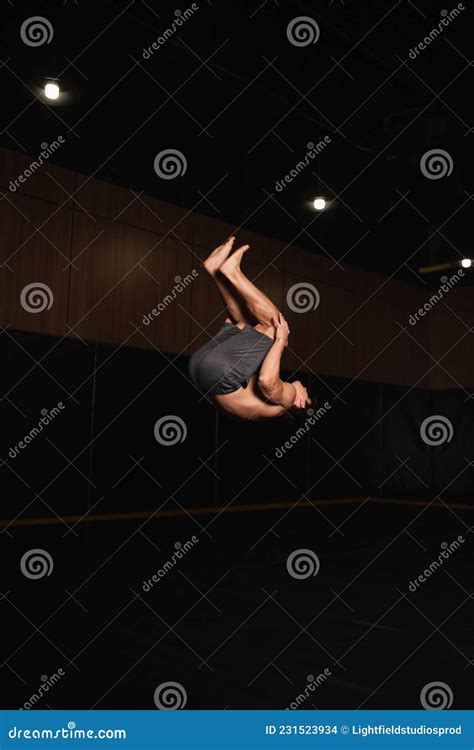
[{"x": 239, "y": 369}]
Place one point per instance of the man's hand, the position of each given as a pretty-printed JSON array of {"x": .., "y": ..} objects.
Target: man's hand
[
  {"x": 302, "y": 399},
  {"x": 281, "y": 329}
]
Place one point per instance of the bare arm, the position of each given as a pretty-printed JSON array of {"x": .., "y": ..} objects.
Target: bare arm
[{"x": 269, "y": 381}]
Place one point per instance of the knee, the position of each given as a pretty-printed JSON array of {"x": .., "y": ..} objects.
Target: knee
[
  {"x": 268, "y": 330},
  {"x": 266, "y": 314}
]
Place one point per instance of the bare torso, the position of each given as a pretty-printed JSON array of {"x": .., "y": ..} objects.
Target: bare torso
[{"x": 247, "y": 403}]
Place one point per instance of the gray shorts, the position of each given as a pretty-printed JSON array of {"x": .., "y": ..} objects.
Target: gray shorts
[{"x": 227, "y": 362}]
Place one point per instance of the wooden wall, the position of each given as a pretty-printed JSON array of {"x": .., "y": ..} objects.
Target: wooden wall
[{"x": 110, "y": 256}]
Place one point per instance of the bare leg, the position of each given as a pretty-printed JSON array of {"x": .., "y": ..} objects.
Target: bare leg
[
  {"x": 232, "y": 300},
  {"x": 260, "y": 306}
]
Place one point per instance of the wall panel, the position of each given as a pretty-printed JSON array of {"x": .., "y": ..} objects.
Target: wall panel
[
  {"x": 211, "y": 232},
  {"x": 314, "y": 338},
  {"x": 121, "y": 274},
  {"x": 264, "y": 250},
  {"x": 35, "y": 246},
  {"x": 48, "y": 182},
  {"x": 309, "y": 266},
  {"x": 207, "y": 308},
  {"x": 124, "y": 206},
  {"x": 335, "y": 336},
  {"x": 302, "y": 339},
  {"x": 266, "y": 278},
  {"x": 380, "y": 344}
]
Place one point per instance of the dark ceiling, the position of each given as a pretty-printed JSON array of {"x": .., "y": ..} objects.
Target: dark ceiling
[{"x": 241, "y": 101}]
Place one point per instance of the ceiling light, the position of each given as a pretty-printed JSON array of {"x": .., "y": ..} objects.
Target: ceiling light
[{"x": 51, "y": 91}]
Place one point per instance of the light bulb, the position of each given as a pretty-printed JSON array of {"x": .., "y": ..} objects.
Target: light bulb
[{"x": 51, "y": 91}]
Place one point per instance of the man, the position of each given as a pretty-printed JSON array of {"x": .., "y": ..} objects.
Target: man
[{"x": 239, "y": 369}]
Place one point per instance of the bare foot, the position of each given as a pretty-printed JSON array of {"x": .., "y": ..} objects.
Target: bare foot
[
  {"x": 232, "y": 263},
  {"x": 214, "y": 261}
]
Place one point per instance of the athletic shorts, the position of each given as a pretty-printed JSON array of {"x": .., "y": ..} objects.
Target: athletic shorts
[{"x": 228, "y": 361}]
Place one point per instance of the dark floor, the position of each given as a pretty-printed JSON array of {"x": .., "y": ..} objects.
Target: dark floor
[{"x": 230, "y": 624}]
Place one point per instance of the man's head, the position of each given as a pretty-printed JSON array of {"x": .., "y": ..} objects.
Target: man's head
[
  {"x": 302, "y": 397},
  {"x": 298, "y": 415}
]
